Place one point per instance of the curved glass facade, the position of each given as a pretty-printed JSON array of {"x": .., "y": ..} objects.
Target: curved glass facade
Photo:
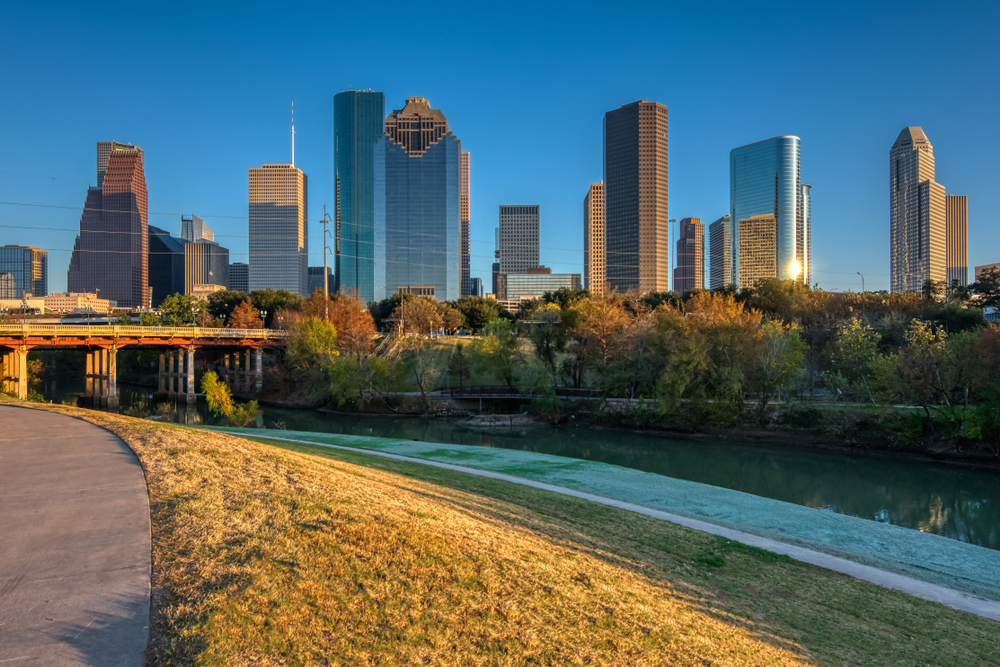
[{"x": 764, "y": 180}]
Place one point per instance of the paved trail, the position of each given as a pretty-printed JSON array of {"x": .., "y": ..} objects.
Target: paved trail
[{"x": 74, "y": 544}]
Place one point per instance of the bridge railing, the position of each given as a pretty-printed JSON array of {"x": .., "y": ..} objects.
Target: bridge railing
[{"x": 131, "y": 331}]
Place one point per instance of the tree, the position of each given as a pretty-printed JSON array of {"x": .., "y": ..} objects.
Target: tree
[
  {"x": 477, "y": 311},
  {"x": 220, "y": 402},
  {"x": 987, "y": 287},
  {"x": 459, "y": 366},
  {"x": 683, "y": 355},
  {"x": 497, "y": 352},
  {"x": 316, "y": 305},
  {"x": 353, "y": 322},
  {"x": 547, "y": 334},
  {"x": 245, "y": 316},
  {"x": 854, "y": 357},
  {"x": 451, "y": 318},
  {"x": 180, "y": 310},
  {"x": 564, "y": 297},
  {"x": 205, "y": 319},
  {"x": 313, "y": 343},
  {"x": 222, "y": 303},
  {"x": 775, "y": 364},
  {"x": 419, "y": 315},
  {"x": 270, "y": 301},
  {"x": 359, "y": 380}
]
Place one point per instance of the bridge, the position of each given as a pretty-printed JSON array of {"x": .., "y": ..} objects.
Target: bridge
[{"x": 102, "y": 342}]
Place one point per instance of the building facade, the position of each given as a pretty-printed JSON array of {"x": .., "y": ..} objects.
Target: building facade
[
  {"x": 956, "y": 215},
  {"x": 417, "y": 204},
  {"x": 279, "y": 241},
  {"x": 239, "y": 277},
  {"x": 8, "y": 286},
  {"x": 78, "y": 303},
  {"x": 111, "y": 253},
  {"x": 534, "y": 285},
  {"x": 477, "y": 287},
  {"x": 29, "y": 267},
  {"x": 719, "y": 253},
  {"x": 758, "y": 249},
  {"x": 917, "y": 218},
  {"x": 465, "y": 217},
  {"x": 316, "y": 280},
  {"x": 635, "y": 198},
  {"x": 358, "y": 123},
  {"x": 690, "y": 272},
  {"x": 518, "y": 238},
  {"x": 765, "y": 182},
  {"x": 194, "y": 229},
  {"x": 594, "y": 275},
  {"x": 166, "y": 265},
  {"x": 205, "y": 263}
]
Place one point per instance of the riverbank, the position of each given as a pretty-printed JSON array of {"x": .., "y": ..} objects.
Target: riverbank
[{"x": 269, "y": 555}]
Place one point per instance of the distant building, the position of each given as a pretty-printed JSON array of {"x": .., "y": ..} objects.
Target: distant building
[
  {"x": 166, "y": 265},
  {"x": 477, "y": 287},
  {"x": 194, "y": 229},
  {"x": 316, "y": 279},
  {"x": 956, "y": 215},
  {"x": 719, "y": 253},
  {"x": 239, "y": 277},
  {"x": 758, "y": 249},
  {"x": 8, "y": 286},
  {"x": 986, "y": 267},
  {"x": 518, "y": 244},
  {"x": 536, "y": 282},
  {"x": 202, "y": 292},
  {"x": 71, "y": 302},
  {"x": 29, "y": 267},
  {"x": 465, "y": 217},
  {"x": 594, "y": 272},
  {"x": 205, "y": 263},
  {"x": 279, "y": 240},
  {"x": 690, "y": 272},
  {"x": 495, "y": 273}
]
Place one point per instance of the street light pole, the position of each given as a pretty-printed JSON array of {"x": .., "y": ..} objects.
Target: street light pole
[
  {"x": 326, "y": 276},
  {"x": 862, "y": 281}
]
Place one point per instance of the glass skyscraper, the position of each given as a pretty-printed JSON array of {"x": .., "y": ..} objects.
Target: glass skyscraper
[
  {"x": 358, "y": 121},
  {"x": 417, "y": 204},
  {"x": 769, "y": 202}
]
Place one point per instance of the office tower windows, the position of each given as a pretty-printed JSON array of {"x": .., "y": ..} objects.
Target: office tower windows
[
  {"x": 316, "y": 280},
  {"x": 765, "y": 182},
  {"x": 417, "y": 204},
  {"x": 758, "y": 249},
  {"x": 205, "y": 263},
  {"x": 594, "y": 275},
  {"x": 466, "y": 218},
  {"x": 477, "y": 286},
  {"x": 719, "y": 252},
  {"x": 518, "y": 238},
  {"x": 166, "y": 265},
  {"x": 194, "y": 229},
  {"x": 690, "y": 272},
  {"x": 279, "y": 243},
  {"x": 917, "y": 220},
  {"x": 111, "y": 253},
  {"x": 957, "y": 239},
  {"x": 635, "y": 198},
  {"x": 535, "y": 283},
  {"x": 8, "y": 287},
  {"x": 239, "y": 277},
  {"x": 28, "y": 267},
  {"x": 358, "y": 123}
]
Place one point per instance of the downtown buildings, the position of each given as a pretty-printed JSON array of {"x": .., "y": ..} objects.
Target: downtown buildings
[
  {"x": 594, "y": 275},
  {"x": 26, "y": 269},
  {"x": 690, "y": 272},
  {"x": 720, "y": 262},
  {"x": 278, "y": 239}
]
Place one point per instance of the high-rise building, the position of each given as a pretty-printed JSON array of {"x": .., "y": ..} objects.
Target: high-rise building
[
  {"x": 956, "y": 213},
  {"x": 635, "y": 198},
  {"x": 111, "y": 253},
  {"x": 765, "y": 183},
  {"x": 477, "y": 287},
  {"x": 239, "y": 277},
  {"x": 465, "y": 216},
  {"x": 719, "y": 253},
  {"x": 194, "y": 229},
  {"x": 8, "y": 287},
  {"x": 316, "y": 279},
  {"x": 917, "y": 218},
  {"x": 166, "y": 265},
  {"x": 594, "y": 275},
  {"x": 518, "y": 238},
  {"x": 205, "y": 263},
  {"x": 279, "y": 241},
  {"x": 690, "y": 272},
  {"x": 417, "y": 204},
  {"x": 29, "y": 267},
  {"x": 358, "y": 122},
  {"x": 758, "y": 249}
]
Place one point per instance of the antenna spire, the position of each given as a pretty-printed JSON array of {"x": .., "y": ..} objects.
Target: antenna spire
[{"x": 293, "y": 133}]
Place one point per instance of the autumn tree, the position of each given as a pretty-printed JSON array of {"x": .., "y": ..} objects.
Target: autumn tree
[
  {"x": 353, "y": 322},
  {"x": 245, "y": 316},
  {"x": 419, "y": 316},
  {"x": 459, "y": 365},
  {"x": 313, "y": 343}
]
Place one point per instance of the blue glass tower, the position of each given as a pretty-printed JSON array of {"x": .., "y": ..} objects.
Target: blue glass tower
[
  {"x": 357, "y": 125},
  {"x": 417, "y": 204},
  {"x": 765, "y": 188}
]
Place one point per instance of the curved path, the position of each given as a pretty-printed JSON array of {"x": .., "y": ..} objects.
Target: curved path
[{"x": 74, "y": 544}]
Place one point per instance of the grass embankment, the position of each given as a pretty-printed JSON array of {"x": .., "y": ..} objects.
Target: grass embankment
[{"x": 266, "y": 556}]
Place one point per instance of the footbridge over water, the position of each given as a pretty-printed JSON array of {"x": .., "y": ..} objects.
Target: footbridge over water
[{"x": 102, "y": 344}]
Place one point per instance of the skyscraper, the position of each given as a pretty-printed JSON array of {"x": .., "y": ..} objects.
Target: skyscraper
[
  {"x": 719, "y": 253},
  {"x": 466, "y": 218},
  {"x": 358, "y": 123},
  {"x": 239, "y": 277},
  {"x": 29, "y": 268},
  {"x": 417, "y": 204},
  {"x": 279, "y": 242},
  {"x": 111, "y": 252},
  {"x": 205, "y": 263},
  {"x": 194, "y": 229},
  {"x": 690, "y": 272},
  {"x": 917, "y": 219},
  {"x": 765, "y": 185},
  {"x": 594, "y": 275},
  {"x": 166, "y": 265},
  {"x": 956, "y": 213},
  {"x": 635, "y": 196},
  {"x": 518, "y": 238}
]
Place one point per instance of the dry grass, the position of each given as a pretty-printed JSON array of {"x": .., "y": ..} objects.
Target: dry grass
[{"x": 265, "y": 556}]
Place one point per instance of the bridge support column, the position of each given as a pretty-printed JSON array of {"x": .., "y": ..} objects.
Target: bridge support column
[
  {"x": 101, "y": 395},
  {"x": 191, "y": 398},
  {"x": 258, "y": 368},
  {"x": 88, "y": 389},
  {"x": 8, "y": 371},
  {"x": 112, "y": 376},
  {"x": 161, "y": 378},
  {"x": 246, "y": 370},
  {"x": 170, "y": 374},
  {"x": 22, "y": 372}
]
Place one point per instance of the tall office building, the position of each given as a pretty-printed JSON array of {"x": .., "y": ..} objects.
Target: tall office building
[
  {"x": 358, "y": 123},
  {"x": 635, "y": 197},
  {"x": 477, "y": 287},
  {"x": 765, "y": 184},
  {"x": 279, "y": 241},
  {"x": 917, "y": 218},
  {"x": 690, "y": 272},
  {"x": 239, "y": 277},
  {"x": 417, "y": 204},
  {"x": 956, "y": 214},
  {"x": 8, "y": 287},
  {"x": 316, "y": 280},
  {"x": 719, "y": 252},
  {"x": 465, "y": 216},
  {"x": 29, "y": 268},
  {"x": 194, "y": 229},
  {"x": 166, "y": 265},
  {"x": 594, "y": 275},
  {"x": 518, "y": 244},
  {"x": 205, "y": 263},
  {"x": 111, "y": 253}
]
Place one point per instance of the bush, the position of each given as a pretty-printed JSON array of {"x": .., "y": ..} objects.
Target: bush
[{"x": 221, "y": 404}]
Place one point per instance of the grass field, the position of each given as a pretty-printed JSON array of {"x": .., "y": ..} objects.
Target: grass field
[{"x": 278, "y": 554}]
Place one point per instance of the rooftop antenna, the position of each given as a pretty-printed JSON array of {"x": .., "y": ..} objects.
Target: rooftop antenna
[{"x": 293, "y": 133}]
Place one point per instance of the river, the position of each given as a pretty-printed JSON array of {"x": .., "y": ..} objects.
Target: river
[{"x": 953, "y": 501}]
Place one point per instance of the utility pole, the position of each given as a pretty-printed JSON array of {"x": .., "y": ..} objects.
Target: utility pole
[{"x": 326, "y": 273}]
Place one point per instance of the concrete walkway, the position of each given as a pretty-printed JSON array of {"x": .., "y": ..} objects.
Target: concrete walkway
[
  {"x": 74, "y": 544},
  {"x": 959, "y": 575}
]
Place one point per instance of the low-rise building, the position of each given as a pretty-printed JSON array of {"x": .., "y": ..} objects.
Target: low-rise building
[
  {"x": 202, "y": 292},
  {"x": 78, "y": 302},
  {"x": 536, "y": 282}
]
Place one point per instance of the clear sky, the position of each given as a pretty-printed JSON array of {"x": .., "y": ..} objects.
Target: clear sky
[{"x": 205, "y": 90}]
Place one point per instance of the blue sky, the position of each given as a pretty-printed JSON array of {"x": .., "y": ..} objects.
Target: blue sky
[{"x": 205, "y": 90}]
